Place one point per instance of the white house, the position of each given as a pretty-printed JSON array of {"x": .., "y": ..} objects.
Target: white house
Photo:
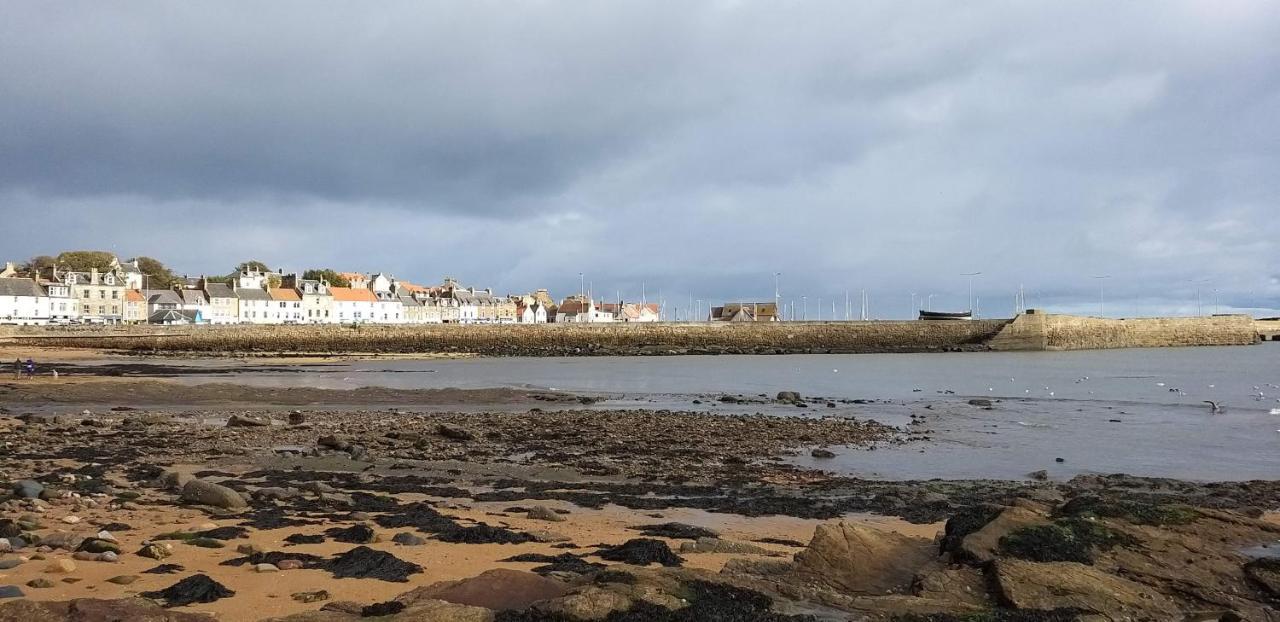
[
  {"x": 255, "y": 306},
  {"x": 62, "y": 307},
  {"x": 286, "y": 305},
  {"x": 531, "y": 312},
  {"x": 317, "y": 302},
  {"x": 388, "y": 309},
  {"x": 351, "y": 305},
  {"x": 23, "y": 301}
]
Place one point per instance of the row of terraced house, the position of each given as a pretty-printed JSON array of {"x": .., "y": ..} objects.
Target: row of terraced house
[{"x": 119, "y": 295}]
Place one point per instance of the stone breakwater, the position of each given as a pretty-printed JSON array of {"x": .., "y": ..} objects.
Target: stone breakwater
[
  {"x": 529, "y": 340},
  {"x": 1027, "y": 332},
  {"x": 1044, "y": 331}
]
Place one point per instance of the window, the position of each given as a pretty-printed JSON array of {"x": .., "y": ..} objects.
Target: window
[{"x": 115, "y": 294}]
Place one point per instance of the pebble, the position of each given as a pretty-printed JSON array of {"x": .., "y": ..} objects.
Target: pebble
[
  {"x": 40, "y": 583},
  {"x": 70, "y": 520},
  {"x": 407, "y": 539},
  {"x": 154, "y": 551},
  {"x": 542, "y": 512},
  {"x": 61, "y": 566},
  {"x": 10, "y": 591},
  {"x": 28, "y": 489},
  {"x": 266, "y": 568},
  {"x": 289, "y": 564},
  {"x": 310, "y": 597},
  {"x": 5, "y": 545},
  {"x": 8, "y": 564},
  {"x": 124, "y": 579}
]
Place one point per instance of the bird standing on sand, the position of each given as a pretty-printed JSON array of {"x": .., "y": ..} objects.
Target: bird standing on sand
[{"x": 1214, "y": 408}]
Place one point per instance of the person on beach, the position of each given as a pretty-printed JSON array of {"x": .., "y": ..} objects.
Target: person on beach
[
  {"x": 17, "y": 369},
  {"x": 31, "y": 369}
]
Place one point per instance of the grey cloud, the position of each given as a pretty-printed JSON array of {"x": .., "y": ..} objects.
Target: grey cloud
[{"x": 696, "y": 147}]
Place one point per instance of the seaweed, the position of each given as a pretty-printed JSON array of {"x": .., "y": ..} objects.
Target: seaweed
[
  {"x": 363, "y": 562},
  {"x": 1065, "y": 540},
  {"x": 197, "y": 588},
  {"x": 641, "y": 552}
]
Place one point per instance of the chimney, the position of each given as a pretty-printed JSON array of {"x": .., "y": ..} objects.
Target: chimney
[{"x": 93, "y": 275}]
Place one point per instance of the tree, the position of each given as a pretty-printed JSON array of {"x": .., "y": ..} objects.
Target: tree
[
  {"x": 253, "y": 265},
  {"x": 37, "y": 265},
  {"x": 328, "y": 275},
  {"x": 158, "y": 276},
  {"x": 84, "y": 261}
]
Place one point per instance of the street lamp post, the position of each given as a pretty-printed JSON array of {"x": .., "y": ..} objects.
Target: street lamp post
[
  {"x": 1102, "y": 294},
  {"x": 582, "y": 285},
  {"x": 971, "y": 275},
  {"x": 928, "y": 302},
  {"x": 804, "y": 300}
]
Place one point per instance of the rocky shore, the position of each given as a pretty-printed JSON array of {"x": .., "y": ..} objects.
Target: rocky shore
[{"x": 553, "y": 513}]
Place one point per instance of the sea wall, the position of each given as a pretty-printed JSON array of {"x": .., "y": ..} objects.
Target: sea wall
[
  {"x": 529, "y": 340},
  {"x": 1041, "y": 331}
]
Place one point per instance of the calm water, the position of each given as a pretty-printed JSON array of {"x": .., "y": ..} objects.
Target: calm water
[{"x": 1054, "y": 404}]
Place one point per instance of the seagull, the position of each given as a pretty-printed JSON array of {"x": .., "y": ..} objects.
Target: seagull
[{"x": 1214, "y": 408}]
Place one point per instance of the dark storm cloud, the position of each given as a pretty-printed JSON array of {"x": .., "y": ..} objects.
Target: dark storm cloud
[{"x": 694, "y": 147}]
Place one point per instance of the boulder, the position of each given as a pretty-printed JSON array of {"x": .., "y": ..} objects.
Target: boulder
[
  {"x": 1070, "y": 585},
  {"x": 248, "y": 421},
  {"x": 1266, "y": 573},
  {"x": 496, "y": 589},
  {"x": 455, "y": 433},
  {"x": 542, "y": 512},
  {"x": 28, "y": 489},
  {"x": 862, "y": 560},
  {"x": 982, "y": 545},
  {"x": 588, "y": 603},
  {"x": 980, "y": 402},
  {"x": 208, "y": 493},
  {"x": 172, "y": 480},
  {"x": 789, "y": 396},
  {"x": 717, "y": 545},
  {"x": 94, "y": 610}
]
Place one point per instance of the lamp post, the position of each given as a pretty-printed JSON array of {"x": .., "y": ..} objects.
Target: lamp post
[
  {"x": 928, "y": 302},
  {"x": 1102, "y": 297},
  {"x": 582, "y": 285},
  {"x": 1199, "y": 306},
  {"x": 971, "y": 275},
  {"x": 804, "y": 300},
  {"x": 912, "y": 313}
]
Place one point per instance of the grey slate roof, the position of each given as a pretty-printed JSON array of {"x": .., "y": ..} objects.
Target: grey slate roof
[
  {"x": 192, "y": 296},
  {"x": 219, "y": 290},
  {"x": 162, "y": 296},
  {"x": 252, "y": 293},
  {"x": 20, "y": 287}
]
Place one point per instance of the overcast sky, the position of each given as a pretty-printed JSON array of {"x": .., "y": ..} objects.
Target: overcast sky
[{"x": 697, "y": 147}]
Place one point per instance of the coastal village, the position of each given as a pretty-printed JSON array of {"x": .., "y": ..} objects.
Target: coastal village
[{"x": 120, "y": 294}]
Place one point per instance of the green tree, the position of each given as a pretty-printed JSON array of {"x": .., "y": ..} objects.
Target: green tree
[
  {"x": 328, "y": 275},
  {"x": 37, "y": 265},
  {"x": 158, "y": 275},
  {"x": 253, "y": 264},
  {"x": 84, "y": 261}
]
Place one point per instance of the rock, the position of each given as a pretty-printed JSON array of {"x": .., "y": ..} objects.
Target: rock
[
  {"x": 208, "y": 493},
  {"x": 959, "y": 585},
  {"x": 542, "y": 512},
  {"x": 154, "y": 551},
  {"x": 70, "y": 520},
  {"x": 172, "y": 480},
  {"x": 9, "y": 564},
  {"x": 28, "y": 489},
  {"x": 265, "y": 568},
  {"x": 310, "y": 597},
  {"x": 297, "y": 418},
  {"x": 547, "y": 536},
  {"x": 319, "y": 488},
  {"x": 822, "y": 453},
  {"x": 273, "y": 493},
  {"x": 588, "y": 603},
  {"x": 61, "y": 566},
  {"x": 247, "y": 420},
  {"x": 1070, "y": 585},
  {"x": 250, "y": 549},
  {"x": 124, "y": 579},
  {"x": 494, "y": 589},
  {"x": 716, "y": 545},
  {"x": 1040, "y": 475},
  {"x": 108, "y": 556},
  {"x": 982, "y": 402},
  {"x": 455, "y": 433},
  {"x": 788, "y": 396},
  {"x": 982, "y": 545},
  {"x": 40, "y": 583},
  {"x": 9, "y": 528},
  {"x": 98, "y": 545},
  {"x": 62, "y": 540},
  {"x": 5, "y": 545},
  {"x": 407, "y": 539},
  {"x": 855, "y": 558},
  {"x": 1266, "y": 573},
  {"x": 289, "y": 564},
  {"x": 11, "y": 591}
]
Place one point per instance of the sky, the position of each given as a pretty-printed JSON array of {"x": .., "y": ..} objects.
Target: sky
[{"x": 690, "y": 150}]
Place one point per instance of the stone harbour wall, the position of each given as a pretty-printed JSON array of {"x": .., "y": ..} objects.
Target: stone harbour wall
[
  {"x": 530, "y": 340},
  {"x": 1041, "y": 331}
]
